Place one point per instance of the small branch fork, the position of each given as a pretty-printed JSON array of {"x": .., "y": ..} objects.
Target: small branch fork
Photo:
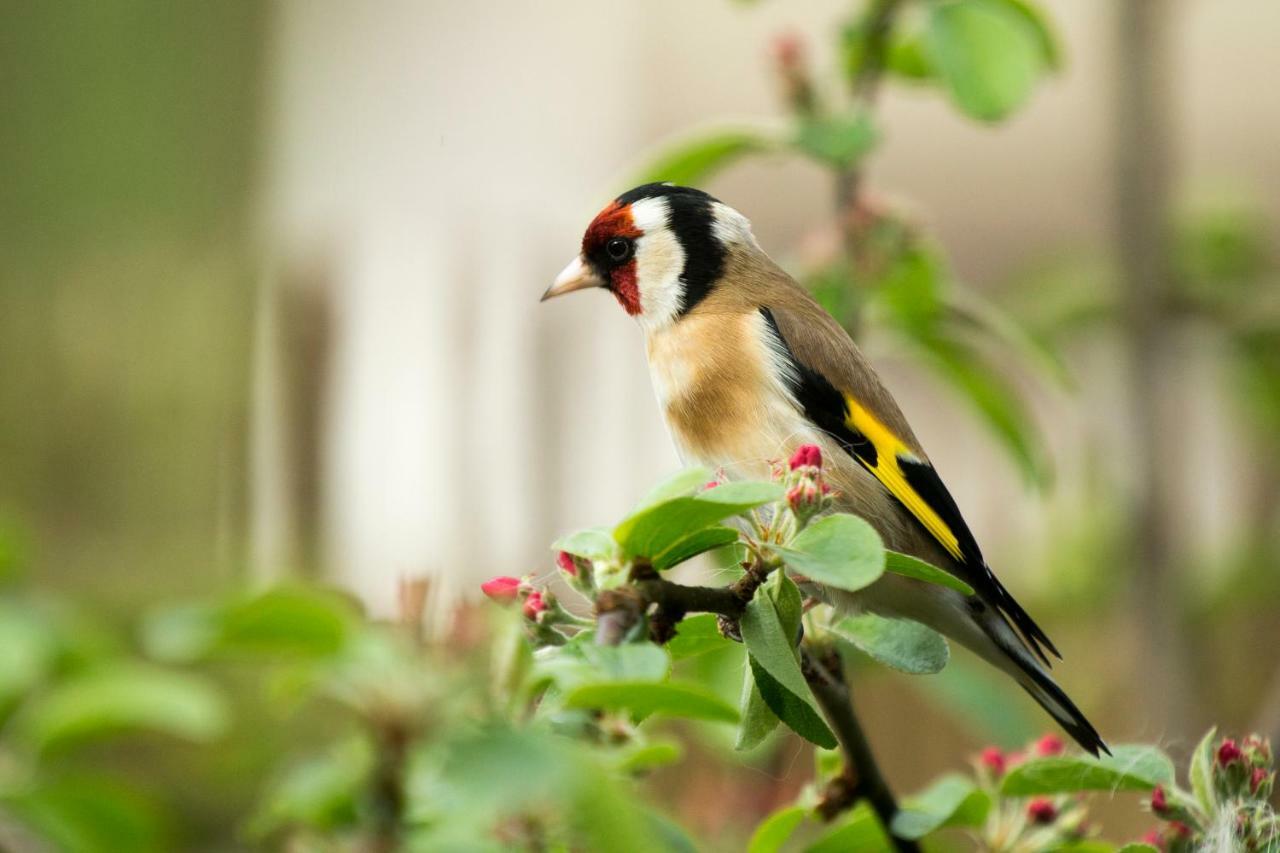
[{"x": 622, "y": 612}]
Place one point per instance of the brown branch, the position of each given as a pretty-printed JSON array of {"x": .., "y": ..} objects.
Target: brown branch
[{"x": 861, "y": 777}]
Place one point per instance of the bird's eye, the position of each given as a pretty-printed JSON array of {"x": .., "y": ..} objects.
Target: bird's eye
[{"x": 619, "y": 249}]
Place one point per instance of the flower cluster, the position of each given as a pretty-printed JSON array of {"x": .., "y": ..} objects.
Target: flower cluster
[
  {"x": 807, "y": 492},
  {"x": 540, "y": 608},
  {"x": 1038, "y": 823},
  {"x": 1229, "y": 805}
]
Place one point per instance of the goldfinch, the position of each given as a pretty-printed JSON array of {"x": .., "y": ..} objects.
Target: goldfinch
[{"x": 747, "y": 366}]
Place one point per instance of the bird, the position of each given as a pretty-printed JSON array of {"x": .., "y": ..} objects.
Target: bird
[{"x": 747, "y": 366}]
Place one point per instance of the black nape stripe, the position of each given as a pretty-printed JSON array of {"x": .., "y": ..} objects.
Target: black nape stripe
[
  {"x": 823, "y": 404},
  {"x": 691, "y": 218}
]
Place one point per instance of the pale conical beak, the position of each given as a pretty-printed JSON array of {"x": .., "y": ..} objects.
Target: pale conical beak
[{"x": 576, "y": 276}]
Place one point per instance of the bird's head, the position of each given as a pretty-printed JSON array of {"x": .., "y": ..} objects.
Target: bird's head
[{"x": 659, "y": 248}]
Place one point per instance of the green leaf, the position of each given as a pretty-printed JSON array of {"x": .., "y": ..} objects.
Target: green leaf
[
  {"x": 644, "y": 698},
  {"x": 908, "y": 566},
  {"x": 902, "y": 644},
  {"x": 628, "y": 662},
  {"x": 125, "y": 698},
  {"x": 695, "y": 544},
  {"x": 1201, "y": 772},
  {"x": 987, "y": 55},
  {"x": 28, "y": 648},
  {"x": 644, "y": 757},
  {"x": 655, "y": 529},
  {"x": 775, "y": 664},
  {"x": 837, "y": 140},
  {"x": 994, "y": 323},
  {"x": 1138, "y": 847},
  {"x": 906, "y": 57},
  {"x": 681, "y": 484},
  {"x": 288, "y": 621},
  {"x": 839, "y": 550},
  {"x": 89, "y": 814},
  {"x": 775, "y": 829},
  {"x": 594, "y": 543},
  {"x": 758, "y": 720},
  {"x": 859, "y": 832},
  {"x": 953, "y": 800},
  {"x": 697, "y": 635},
  {"x": 1046, "y": 40},
  {"x": 694, "y": 158},
  {"x": 1128, "y": 768}
]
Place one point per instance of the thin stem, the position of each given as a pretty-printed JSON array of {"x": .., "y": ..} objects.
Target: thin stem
[{"x": 861, "y": 778}]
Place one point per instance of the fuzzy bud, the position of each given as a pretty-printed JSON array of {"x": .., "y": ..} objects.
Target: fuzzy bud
[
  {"x": 1260, "y": 782},
  {"x": 1159, "y": 801},
  {"x": 1049, "y": 745},
  {"x": 806, "y": 456},
  {"x": 1257, "y": 751},
  {"x": 503, "y": 590},
  {"x": 533, "y": 605},
  {"x": 1229, "y": 753},
  {"x": 992, "y": 759},
  {"x": 1154, "y": 838},
  {"x": 566, "y": 564},
  {"x": 1041, "y": 810}
]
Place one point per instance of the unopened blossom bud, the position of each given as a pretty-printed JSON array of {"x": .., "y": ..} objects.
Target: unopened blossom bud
[
  {"x": 1154, "y": 838},
  {"x": 566, "y": 564},
  {"x": 503, "y": 590},
  {"x": 806, "y": 456},
  {"x": 1257, "y": 750},
  {"x": 1049, "y": 745},
  {"x": 533, "y": 605},
  {"x": 1159, "y": 801},
  {"x": 1260, "y": 778},
  {"x": 1042, "y": 810},
  {"x": 710, "y": 484},
  {"x": 1228, "y": 753},
  {"x": 804, "y": 498},
  {"x": 788, "y": 57},
  {"x": 992, "y": 759}
]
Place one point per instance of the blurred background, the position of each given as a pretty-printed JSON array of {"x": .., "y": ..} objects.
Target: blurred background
[{"x": 268, "y": 310}]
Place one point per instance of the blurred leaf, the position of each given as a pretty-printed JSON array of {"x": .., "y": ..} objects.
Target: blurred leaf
[
  {"x": 953, "y": 800},
  {"x": 906, "y": 57},
  {"x": 839, "y": 141},
  {"x": 655, "y": 529},
  {"x": 988, "y": 55},
  {"x": 1128, "y": 768},
  {"x": 694, "y": 158},
  {"x": 644, "y": 698},
  {"x": 911, "y": 288},
  {"x": 594, "y": 543},
  {"x": 285, "y": 621},
  {"x": 28, "y": 649},
  {"x": 839, "y": 550},
  {"x": 1138, "y": 847},
  {"x": 697, "y": 635},
  {"x": 10, "y": 552},
  {"x": 758, "y": 721},
  {"x": 858, "y": 832},
  {"x": 323, "y": 792},
  {"x": 1201, "y": 772},
  {"x": 1035, "y": 17},
  {"x": 124, "y": 698},
  {"x": 993, "y": 323},
  {"x": 641, "y": 758},
  {"x": 910, "y": 567},
  {"x": 775, "y": 662},
  {"x": 775, "y": 829},
  {"x": 628, "y": 662},
  {"x": 898, "y": 643},
  {"x": 988, "y": 392},
  {"x": 693, "y": 545},
  {"x": 88, "y": 814}
]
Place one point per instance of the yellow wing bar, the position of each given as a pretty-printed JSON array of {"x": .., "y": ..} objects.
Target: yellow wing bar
[{"x": 886, "y": 469}]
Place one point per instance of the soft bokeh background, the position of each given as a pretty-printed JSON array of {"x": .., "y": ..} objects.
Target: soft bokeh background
[{"x": 268, "y": 308}]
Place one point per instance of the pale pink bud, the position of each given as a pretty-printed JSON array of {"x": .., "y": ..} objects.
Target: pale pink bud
[
  {"x": 992, "y": 759},
  {"x": 1049, "y": 745},
  {"x": 533, "y": 605},
  {"x": 501, "y": 589}
]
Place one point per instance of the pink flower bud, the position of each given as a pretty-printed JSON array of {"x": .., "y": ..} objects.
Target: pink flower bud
[
  {"x": 1015, "y": 758},
  {"x": 806, "y": 455},
  {"x": 992, "y": 759},
  {"x": 1159, "y": 801},
  {"x": 710, "y": 484},
  {"x": 1180, "y": 829},
  {"x": 564, "y": 560},
  {"x": 1256, "y": 780},
  {"x": 1228, "y": 753},
  {"x": 1042, "y": 810},
  {"x": 533, "y": 605},
  {"x": 502, "y": 589},
  {"x": 1049, "y": 745},
  {"x": 788, "y": 50},
  {"x": 1153, "y": 838}
]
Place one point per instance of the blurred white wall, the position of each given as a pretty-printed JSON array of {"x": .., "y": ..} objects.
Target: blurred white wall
[{"x": 443, "y": 159}]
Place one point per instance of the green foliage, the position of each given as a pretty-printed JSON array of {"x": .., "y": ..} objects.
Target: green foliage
[
  {"x": 1128, "y": 768},
  {"x": 701, "y": 154},
  {"x": 897, "y": 643},
  {"x": 840, "y": 550},
  {"x": 908, "y": 566},
  {"x": 952, "y": 800}
]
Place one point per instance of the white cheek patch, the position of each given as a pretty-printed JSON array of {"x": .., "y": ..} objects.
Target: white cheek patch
[
  {"x": 659, "y": 262},
  {"x": 731, "y": 227}
]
